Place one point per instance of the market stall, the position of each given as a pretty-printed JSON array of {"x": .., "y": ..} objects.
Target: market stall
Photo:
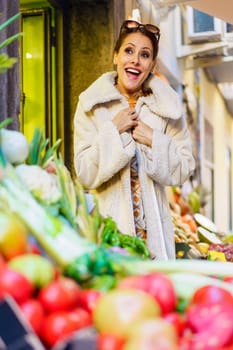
[{"x": 69, "y": 278}]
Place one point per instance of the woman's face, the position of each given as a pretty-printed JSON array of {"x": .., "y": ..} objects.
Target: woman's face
[{"x": 134, "y": 62}]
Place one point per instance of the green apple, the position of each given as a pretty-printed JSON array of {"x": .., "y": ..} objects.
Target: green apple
[{"x": 37, "y": 268}]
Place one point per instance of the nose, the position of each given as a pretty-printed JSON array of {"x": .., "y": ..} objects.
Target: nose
[{"x": 135, "y": 58}]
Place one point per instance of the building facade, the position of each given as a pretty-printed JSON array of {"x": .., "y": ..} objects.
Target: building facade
[{"x": 74, "y": 45}]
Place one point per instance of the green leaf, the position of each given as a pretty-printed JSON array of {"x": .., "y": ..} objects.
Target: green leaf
[
  {"x": 6, "y": 62},
  {"x": 9, "y": 21},
  {"x": 9, "y": 40},
  {"x": 5, "y": 122}
]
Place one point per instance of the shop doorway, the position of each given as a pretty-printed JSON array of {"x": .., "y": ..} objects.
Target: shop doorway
[{"x": 40, "y": 90}]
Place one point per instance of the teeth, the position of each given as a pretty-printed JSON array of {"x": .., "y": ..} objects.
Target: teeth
[{"x": 134, "y": 71}]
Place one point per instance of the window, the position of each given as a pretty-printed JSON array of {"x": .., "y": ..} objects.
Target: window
[
  {"x": 228, "y": 31},
  {"x": 203, "y": 27}
]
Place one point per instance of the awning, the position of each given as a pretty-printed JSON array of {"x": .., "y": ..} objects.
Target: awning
[{"x": 222, "y": 9}]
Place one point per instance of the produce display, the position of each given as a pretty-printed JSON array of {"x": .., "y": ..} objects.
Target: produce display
[
  {"x": 196, "y": 236},
  {"x": 70, "y": 272}
]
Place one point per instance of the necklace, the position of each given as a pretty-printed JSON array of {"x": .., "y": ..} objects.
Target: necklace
[{"x": 131, "y": 98}]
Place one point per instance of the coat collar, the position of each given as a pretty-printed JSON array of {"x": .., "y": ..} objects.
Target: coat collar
[{"x": 165, "y": 101}]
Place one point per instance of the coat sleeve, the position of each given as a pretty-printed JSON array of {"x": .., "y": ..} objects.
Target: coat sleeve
[
  {"x": 170, "y": 161},
  {"x": 99, "y": 150}
]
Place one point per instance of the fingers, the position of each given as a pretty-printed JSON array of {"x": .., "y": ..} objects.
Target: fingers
[
  {"x": 132, "y": 112},
  {"x": 133, "y": 115}
]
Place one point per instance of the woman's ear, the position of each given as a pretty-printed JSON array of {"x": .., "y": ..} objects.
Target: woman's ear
[
  {"x": 115, "y": 58},
  {"x": 153, "y": 67}
]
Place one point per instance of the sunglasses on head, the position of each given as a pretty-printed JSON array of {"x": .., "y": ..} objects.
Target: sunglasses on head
[{"x": 131, "y": 24}]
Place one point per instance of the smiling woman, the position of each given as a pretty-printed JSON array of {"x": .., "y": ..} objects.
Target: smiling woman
[{"x": 131, "y": 141}]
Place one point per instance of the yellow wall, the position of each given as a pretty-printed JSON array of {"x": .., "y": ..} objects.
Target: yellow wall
[{"x": 212, "y": 107}]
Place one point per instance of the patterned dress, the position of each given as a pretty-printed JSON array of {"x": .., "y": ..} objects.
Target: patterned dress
[{"x": 139, "y": 219}]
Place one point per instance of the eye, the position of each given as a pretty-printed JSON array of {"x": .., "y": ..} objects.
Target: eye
[
  {"x": 129, "y": 50},
  {"x": 145, "y": 54}
]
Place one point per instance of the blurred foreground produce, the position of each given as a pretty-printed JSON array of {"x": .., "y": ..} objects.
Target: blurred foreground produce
[{"x": 87, "y": 279}]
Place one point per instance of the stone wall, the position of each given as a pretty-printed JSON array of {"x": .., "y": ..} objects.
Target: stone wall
[{"x": 88, "y": 47}]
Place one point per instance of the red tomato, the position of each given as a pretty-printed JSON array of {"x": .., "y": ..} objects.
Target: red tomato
[
  {"x": 61, "y": 324},
  {"x": 178, "y": 320},
  {"x": 156, "y": 284},
  {"x": 109, "y": 342},
  {"x": 211, "y": 295},
  {"x": 34, "y": 314},
  {"x": 204, "y": 316},
  {"x": 217, "y": 328},
  {"x": 88, "y": 299},
  {"x": 15, "y": 284},
  {"x": 80, "y": 317},
  {"x": 60, "y": 295}
]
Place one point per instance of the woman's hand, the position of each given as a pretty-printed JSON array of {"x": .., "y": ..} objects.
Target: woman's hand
[
  {"x": 143, "y": 133},
  {"x": 125, "y": 120}
]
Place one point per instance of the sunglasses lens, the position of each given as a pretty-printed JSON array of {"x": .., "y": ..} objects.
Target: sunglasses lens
[
  {"x": 151, "y": 28},
  {"x": 131, "y": 24}
]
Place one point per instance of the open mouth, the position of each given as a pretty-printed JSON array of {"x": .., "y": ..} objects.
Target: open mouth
[{"x": 133, "y": 72}]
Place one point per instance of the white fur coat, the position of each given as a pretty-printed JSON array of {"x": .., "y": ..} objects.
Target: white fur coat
[{"x": 102, "y": 156}]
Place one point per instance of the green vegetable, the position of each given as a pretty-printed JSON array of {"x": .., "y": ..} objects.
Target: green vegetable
[
  {"x": 102, "y": 283},
  {"x": 56, "y": 236},
  {"x": 89, "y": 224},
  {"x": 39, "y": 151},
  {"x": 111, "y": 237}
]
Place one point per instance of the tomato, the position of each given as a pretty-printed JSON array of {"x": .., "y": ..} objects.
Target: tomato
[
  {"x": 60, "y": 295},
  {"x": 80, "y": 317},
  {"x": 156, "y": 284},
  {"x": 15, "y": 284},
  {"x": 210, "y": 295},
  {"x": 211, "y": 324},
  {"x": 88, "y": 299},
  {"x": 61, "y": 324},
  {"x": 109, "y": 342},
  {"x": 13, "y": 236},
  {"x": 216, "y": 329},
  {"x": 178, "y": 320},
  {"x": 34, "y": 314}
]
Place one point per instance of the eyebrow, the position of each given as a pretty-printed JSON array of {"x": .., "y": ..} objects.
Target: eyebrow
[{"x": 143, "y": 48}]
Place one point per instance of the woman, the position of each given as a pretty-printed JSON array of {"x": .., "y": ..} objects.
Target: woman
[{"x": 131, "y": 141}]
